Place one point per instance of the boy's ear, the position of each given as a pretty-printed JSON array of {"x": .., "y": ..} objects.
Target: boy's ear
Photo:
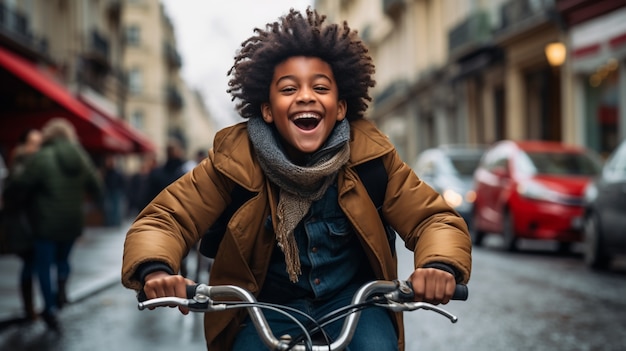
[
  {"x": 342, "y": 109},
  {"x": 266, "y": 112}
]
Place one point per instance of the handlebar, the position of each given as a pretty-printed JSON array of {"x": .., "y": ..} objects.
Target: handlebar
[{"x": 395, "y": 295}]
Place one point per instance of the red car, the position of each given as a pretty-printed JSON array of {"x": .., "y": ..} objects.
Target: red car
[{"x": 532, "y": 190}]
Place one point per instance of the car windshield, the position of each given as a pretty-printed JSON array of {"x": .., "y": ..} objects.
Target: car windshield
[
  {"x": 560, "y": 163},
  {"x": 465, "y": 165}
]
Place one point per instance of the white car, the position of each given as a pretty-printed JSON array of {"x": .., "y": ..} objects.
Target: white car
[{"x": 449, "y": 169}]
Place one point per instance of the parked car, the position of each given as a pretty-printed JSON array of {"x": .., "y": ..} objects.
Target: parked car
[
  {"x": 532, "y": 190},
  {"x": 449, "y": 169},
  {"x": 605, "y": 212}
]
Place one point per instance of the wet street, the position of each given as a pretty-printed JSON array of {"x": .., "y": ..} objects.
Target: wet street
[
  {"x": 535, "y": 299},
  {"x": 532, "y": 300}
]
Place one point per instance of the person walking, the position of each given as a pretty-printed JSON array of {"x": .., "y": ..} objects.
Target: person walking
[
  {"x": 175, "y": 165},
  {"x": 18, "y": 227},
  {"x": 159, "y": 178},
  {"x": 115, "y": 186},
  {"x": 138, "y": 186},
  {"x": 56, "y": 181}
]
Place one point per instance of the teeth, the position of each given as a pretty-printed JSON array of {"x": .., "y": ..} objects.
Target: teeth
[{"x": 306, "y": 115}]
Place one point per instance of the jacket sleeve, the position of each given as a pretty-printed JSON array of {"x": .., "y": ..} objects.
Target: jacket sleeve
[
  {"x": 429, "y": 227},
  {"x": 174, "y": 221}
]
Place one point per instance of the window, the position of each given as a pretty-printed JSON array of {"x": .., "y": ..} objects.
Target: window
[
  {"x": 562, "y": 163},
  {"x": 133, "y": 35},
  {"x": 464, "y": 165},
  {"x": 135, "y": 81},
  {"x": 137, "y": 119}
]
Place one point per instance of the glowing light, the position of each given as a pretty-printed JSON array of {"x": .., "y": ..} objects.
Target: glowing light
[
  {"x": 555, "y": 53},
  {"x": 453, "y": 198}
]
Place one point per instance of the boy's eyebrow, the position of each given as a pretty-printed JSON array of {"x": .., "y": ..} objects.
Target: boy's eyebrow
[{"x": 293, "y": 77}]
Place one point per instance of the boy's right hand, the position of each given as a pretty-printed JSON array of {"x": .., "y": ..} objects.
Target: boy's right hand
[{"x": 162, "y": 284}]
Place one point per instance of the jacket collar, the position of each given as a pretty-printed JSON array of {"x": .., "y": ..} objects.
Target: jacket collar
[
  {"x": 367, "y": 142},
  {"x": 234, "y": 156}
]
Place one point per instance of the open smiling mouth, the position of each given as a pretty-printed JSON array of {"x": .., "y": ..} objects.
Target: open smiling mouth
[{"x": 307, "y": 122}]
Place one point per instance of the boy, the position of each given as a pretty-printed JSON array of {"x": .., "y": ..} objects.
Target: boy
[{"x": 310, "y": 235}]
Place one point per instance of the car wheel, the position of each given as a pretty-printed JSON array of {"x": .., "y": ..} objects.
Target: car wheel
[
  {"x": 508, "y": 233},
  {"x": 476, "y": 234},
  {"x": 564, "y": 248},
  {"x": 595, "y": 256}
]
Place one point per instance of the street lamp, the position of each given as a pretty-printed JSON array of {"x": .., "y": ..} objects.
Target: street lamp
[{"x": 555, "y": 53}]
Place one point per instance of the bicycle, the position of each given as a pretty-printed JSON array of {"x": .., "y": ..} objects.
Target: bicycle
[{"x": 396, "y": 295}]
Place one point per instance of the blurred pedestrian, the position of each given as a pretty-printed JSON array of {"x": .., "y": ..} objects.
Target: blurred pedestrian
[
  {"x": 18, "y": 229},
  {"x": 114, "y": 186},
  {"x": 174, "y": 167},
  {"x": 57, "y": 180},
  {"x": 138, "y": 185}
]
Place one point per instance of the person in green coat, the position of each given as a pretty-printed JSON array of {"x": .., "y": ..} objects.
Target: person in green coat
[
  {"x": 17, "y": 226},
  {"x": 56, "y": 181}
]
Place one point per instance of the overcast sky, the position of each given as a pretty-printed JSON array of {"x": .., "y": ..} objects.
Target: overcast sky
[{"x": 209, "y": 33}]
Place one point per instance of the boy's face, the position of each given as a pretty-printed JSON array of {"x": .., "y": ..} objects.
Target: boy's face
[{"x": 304, "y": 104}]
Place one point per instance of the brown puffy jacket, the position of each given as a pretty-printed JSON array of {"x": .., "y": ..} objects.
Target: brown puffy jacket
[{"x": 175, "y": 220}]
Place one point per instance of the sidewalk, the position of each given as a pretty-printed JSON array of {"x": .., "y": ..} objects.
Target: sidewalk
[{"x": 96, "y": 263}]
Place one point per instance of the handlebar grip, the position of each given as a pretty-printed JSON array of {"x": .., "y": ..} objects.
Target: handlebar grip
[
  {"x": 141, "y": 296},
  {"x": 461, "y": 292},
  {"x": 190, "y": 291}
]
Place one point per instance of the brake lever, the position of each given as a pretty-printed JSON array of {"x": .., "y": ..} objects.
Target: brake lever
[{"x": 412, "y": 306}]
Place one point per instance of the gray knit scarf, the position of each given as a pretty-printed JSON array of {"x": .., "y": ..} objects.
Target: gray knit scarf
[{"x": 299, "y": 185}]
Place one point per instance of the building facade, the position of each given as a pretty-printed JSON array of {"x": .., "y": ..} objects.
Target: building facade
[
  {"x": 63, "y": 59},
  {"x": 478, "y": 71},
  {"x": 159, "y": 101},
  {"x": 596, "y": 70},
  {"x": 111, "y": 66}
]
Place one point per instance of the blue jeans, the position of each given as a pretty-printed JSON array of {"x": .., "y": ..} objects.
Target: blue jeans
[
  {"x": 50, "y": 253},
  {"x": 113, "y": 208},
  {"x": 374, "y": 331}
]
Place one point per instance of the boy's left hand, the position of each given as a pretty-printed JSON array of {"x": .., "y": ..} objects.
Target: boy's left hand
[{"x": 432, "y": 285}]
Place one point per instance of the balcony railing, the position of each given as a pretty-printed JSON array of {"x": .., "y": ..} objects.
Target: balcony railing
[
  {"x": 96, "y": 54},
  {"x": 515, "y": 13},
  {"x": 114, "y": 10},
  {"x": 174, "y": 98},
  {"x": 472, "y": 32},
  {"x": 13, "y": 21},
  {"x": 99, "y": 45},
  {"x": 16, "y": 26},
  {"x": 171, "y": 56}
]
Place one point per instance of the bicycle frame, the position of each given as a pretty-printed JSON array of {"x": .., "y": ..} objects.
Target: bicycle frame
[{"x": 397, "y": 295}]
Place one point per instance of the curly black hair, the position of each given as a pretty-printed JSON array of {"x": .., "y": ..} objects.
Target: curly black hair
[{"x": 296, "y": 35}]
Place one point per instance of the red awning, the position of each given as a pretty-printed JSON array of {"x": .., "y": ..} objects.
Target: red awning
[
  {"x": 141, "y": 144},
  {"x": 96, "y": 134}
]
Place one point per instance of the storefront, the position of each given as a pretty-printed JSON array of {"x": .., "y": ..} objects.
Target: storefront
[
  {"x": 598, "y": 61},
  {"x": 30, "y": 96}
]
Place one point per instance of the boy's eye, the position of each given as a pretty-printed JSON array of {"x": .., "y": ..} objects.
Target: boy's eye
[
  {"x": 292, "y": 89},
  {"x": 321, "y": 88},
  {"x": 287, "y": 90}
]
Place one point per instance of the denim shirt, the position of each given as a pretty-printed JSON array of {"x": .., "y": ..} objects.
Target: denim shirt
[{"x": 331, "y": 256}]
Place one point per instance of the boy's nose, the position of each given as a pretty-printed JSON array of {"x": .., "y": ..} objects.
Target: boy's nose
[{"x": 305, "y": 95}]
